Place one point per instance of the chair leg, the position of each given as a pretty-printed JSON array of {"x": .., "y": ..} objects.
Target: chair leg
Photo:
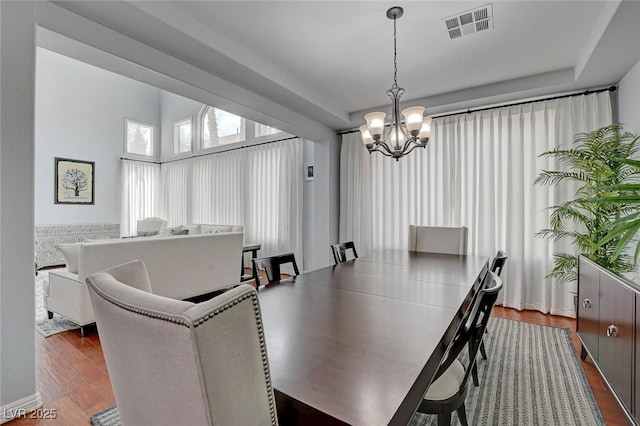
[
  {"x": 474, "y": 369},
  {"x": 444, "y": 419},
  {"x": 474, "y": 374},
  {"x": 462, "y": 415},
  {"x": 482, "y": 351}
]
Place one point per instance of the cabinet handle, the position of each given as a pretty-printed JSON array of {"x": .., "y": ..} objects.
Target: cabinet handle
[
  {"x": 612, "y": 331},
  {"x": 586, "y": 303}
]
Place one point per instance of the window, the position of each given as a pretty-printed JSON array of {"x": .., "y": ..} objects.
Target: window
[
  {"x": 264, "y": 130},
  {"x": 221, "y": 128},
  {"x": 140, "y": 138},
  {"x": 182, "y": 139}
]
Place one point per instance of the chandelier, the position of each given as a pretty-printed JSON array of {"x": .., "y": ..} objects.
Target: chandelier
[{"x": 399, "y": 138}]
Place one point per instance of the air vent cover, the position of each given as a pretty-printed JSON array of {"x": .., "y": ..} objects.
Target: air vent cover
[{"x": 469, "y": 22}]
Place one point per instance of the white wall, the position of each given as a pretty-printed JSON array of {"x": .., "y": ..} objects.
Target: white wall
[
  {"x": 80, "y": 113},
  {"x": 17, "y": 293},
  {"x": 629, "y": 100},
  {"x": 326, "y": 198},
  {"x": 173, "y": 108},
  {"x": 308, "y": 211}
]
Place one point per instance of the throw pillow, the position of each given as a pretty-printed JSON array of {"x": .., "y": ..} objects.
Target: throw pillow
[
  {"x": 171, "y": 231},
  {"x": 180, "y": 232},
  {"x": 194, "y": 229},
  {"x": 147, "y": 233},
  {"x": 70, "y": 252}
]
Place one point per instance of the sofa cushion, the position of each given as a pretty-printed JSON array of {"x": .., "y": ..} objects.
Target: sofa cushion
[
  {"x": 70, "y": 252},
  {"x": 220, "y": 229},
  {"x": 216, "y": 230}
]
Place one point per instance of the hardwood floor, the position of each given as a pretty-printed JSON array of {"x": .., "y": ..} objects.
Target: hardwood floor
[{"x": 73, "y": 380}]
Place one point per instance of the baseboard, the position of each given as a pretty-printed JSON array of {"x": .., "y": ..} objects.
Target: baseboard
[{"x": 20, "y": 407}]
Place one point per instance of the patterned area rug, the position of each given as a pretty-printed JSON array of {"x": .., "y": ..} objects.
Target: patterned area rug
[
  {"x": 108, "y": 417},
  {"x": 533, "y": 377},
  {"x": 45, "y": 326}
]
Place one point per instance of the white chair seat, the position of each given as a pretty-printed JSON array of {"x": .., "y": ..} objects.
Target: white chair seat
[{"x": 448, "y": 384}]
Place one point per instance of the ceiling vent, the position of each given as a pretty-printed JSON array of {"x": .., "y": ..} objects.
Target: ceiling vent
[{"x": 472, "y": 21}]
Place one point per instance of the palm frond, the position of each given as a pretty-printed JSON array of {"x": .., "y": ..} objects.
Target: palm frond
[{"x": 552, "y": 177}]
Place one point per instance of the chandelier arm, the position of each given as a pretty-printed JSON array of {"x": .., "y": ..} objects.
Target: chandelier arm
[
  {"x": 408, "y": 142},
  {"x": 414, "y": 146},
  {"x": 384, "y": 152},
  {"x": 382, "y": 147}
]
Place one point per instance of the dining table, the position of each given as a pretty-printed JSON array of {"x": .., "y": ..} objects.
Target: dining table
[{"x": 359, "y": 342}]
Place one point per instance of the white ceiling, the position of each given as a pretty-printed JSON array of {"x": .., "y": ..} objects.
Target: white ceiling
[{"x": 333, "y": 60}]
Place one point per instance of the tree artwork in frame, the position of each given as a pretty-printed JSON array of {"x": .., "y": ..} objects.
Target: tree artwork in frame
[{"x": 74, "y": 181}]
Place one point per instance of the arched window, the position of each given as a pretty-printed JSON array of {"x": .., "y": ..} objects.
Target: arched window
[{"x": 220, "y": 127}]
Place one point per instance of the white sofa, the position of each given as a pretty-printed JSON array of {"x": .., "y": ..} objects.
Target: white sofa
[{"x": 180, "y": 267}]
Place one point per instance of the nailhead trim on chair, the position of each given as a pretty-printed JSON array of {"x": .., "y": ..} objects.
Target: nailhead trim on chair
[
  {"x": 140, "y": 311},
  {"x": 263, "y": 347}
]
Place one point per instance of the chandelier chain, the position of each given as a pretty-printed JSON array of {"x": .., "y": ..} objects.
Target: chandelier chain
[{"x": 395, "y": 55}]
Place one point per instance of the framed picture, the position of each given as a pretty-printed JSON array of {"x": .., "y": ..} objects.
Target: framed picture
[
  {"x": 308, "y": 171},
  {"x": 74, "y": 182}
]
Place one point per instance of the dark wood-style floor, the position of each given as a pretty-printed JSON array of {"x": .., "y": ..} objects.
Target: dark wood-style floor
[{"x": 73, "y": 380}]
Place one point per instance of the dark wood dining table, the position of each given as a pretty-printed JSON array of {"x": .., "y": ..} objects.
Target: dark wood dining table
[{"x": 359, "y": 342}]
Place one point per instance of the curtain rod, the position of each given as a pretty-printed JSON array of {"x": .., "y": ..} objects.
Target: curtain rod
[
  {"x": 550, "y": 98},
  {"x": 210, "y": 153}
]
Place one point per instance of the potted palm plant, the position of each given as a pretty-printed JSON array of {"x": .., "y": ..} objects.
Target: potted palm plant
[
  {"x": 626, "y": 227},
  {"x": 598, "y": 161}
]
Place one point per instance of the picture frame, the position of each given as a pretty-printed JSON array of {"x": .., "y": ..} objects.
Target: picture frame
[
  {"x": 74, "y": 181},
  {"x": 308, "y": 171}
]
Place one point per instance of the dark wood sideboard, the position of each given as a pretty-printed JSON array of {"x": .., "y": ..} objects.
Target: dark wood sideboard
[{"x": 609, "y": 329}]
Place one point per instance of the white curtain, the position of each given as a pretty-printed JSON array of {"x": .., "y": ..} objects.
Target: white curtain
[
  {"x": 140, "y": 194},
  {"x": 274, "y": 197},
  {"x": 477, "y": 171},
  {"x": 259, "y": 188},
  {"x": 219, "y": 188},
  {"x": 176, "y": 192}
]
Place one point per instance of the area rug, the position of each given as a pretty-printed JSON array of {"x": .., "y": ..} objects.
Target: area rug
[
  {"x": 532, "y": 377},
  {"x": 108, "y": 417},
  {"x": 45, "y": 326}
]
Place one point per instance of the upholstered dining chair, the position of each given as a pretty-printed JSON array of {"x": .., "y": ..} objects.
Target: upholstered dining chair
[
  {"x": 150, "y": 226},
  {"x": 438, "y": 239},
  {"x": 340, "y": 251},
  {"x": 448, "y": 390},
  {"x": 176, "y": 362},
  {"x": 272, "y": 264}
]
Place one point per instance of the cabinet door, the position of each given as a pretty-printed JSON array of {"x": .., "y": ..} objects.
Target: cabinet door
[
  {"x": 588, "y": 306},
  {"x": 615, "y": 347},
  {"x": 637, "y": 388}
]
